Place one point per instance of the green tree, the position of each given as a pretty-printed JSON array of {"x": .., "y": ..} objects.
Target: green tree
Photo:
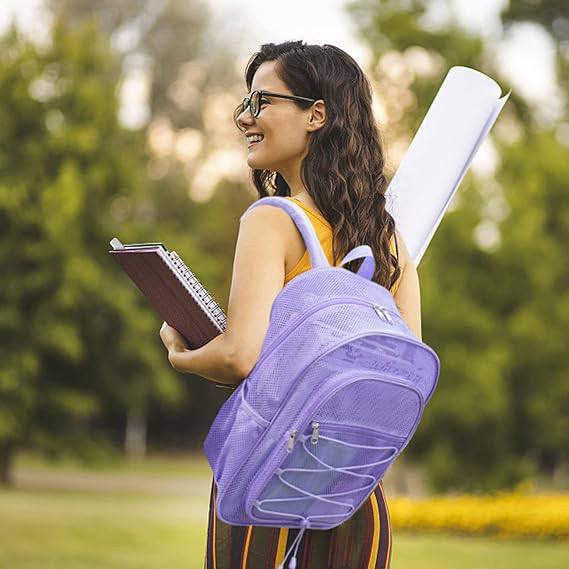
[
  {"x": 190, "y": 65},
  {"x": 544, "y": 164},
  {"x": 75, "y": 337},
  {"x": 495, "y": 312}
]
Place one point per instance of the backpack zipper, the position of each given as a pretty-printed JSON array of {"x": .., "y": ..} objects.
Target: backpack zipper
[
  {"x": 291, "y": 440},
  {"x": 358, "y": 429},
  {"x": 315, "y": 425},
  {"x": 381, "y": 311},
  {"x": 314, "y": 437}
]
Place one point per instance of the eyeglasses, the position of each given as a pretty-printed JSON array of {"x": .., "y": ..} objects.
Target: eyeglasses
[{"x": 255, "y": 100}]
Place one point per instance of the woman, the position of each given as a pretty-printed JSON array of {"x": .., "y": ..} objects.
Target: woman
[{"x": 312, "y": 138}]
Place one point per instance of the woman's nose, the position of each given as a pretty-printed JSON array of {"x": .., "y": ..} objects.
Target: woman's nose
[{"x": 245, "y": 118}]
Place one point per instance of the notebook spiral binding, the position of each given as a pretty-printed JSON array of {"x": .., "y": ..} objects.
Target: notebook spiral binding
[{"x": 215, "y": 312}]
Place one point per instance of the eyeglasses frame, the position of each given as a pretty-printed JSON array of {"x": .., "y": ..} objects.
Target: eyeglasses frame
[{"x": 246, "y": 103}]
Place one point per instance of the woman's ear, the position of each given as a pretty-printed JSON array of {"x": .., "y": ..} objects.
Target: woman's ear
[{"x": 317, "y": 115}]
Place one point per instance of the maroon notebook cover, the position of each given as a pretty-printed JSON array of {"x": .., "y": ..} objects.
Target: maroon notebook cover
[{"x": 172, "y": 289}]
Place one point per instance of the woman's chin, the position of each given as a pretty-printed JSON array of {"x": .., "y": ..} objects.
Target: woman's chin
[{"x": 255, "y": 163}]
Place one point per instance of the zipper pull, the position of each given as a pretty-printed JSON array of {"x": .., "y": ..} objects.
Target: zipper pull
[
  {"x": 382, "y": 313},
  {"x": 291, "y": 440},
  {"x": 314, "y": 437}
]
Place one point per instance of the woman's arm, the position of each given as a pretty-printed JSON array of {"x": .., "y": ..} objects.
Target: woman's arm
[
  {"x": 258, "y": 276},
  {"x": 212, "y": 360},
  {"x": 408, "y": 294}
]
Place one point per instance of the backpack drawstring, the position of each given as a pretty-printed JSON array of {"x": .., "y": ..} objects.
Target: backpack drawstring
[{"x": 294, "y": 544}]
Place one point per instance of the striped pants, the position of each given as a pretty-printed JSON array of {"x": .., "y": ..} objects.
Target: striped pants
[{"x": 361, "y": 542}]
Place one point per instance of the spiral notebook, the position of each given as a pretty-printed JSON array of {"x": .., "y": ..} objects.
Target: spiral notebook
[{"x": 173, "y": 290}]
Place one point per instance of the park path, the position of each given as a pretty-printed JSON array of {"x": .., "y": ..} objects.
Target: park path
[{"x": 45, "y": 478}]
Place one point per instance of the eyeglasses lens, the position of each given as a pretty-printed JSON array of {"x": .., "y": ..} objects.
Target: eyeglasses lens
[
  {"x": 252, "y": 102},
  {"x": 255, "y": 98}
]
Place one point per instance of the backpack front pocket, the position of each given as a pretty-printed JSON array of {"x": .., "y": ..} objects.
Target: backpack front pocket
[
  {"x": 331, "y": 470},
  {"x": 327, "y": 467}
]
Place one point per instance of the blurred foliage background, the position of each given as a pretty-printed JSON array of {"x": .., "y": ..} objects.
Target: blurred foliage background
[{"x": 83, "y": 372}]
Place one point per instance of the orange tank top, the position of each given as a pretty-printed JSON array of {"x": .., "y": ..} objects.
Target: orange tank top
[{"x": 324, "y": 233}]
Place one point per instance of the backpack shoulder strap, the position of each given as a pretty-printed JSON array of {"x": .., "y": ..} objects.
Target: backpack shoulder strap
[{"x": 317, "y": 256}]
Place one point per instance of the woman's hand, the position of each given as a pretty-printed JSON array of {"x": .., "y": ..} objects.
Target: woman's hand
[{"x": 172, "y": 339}]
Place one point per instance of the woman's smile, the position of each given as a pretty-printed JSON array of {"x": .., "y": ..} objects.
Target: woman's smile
[{"x": 254, "y": 142}]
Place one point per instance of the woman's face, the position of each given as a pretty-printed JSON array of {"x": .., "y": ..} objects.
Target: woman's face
[{"x": 282, "y": 123}]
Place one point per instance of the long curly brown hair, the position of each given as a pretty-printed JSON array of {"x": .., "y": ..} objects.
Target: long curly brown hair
[{"x": 343, "y": 170}]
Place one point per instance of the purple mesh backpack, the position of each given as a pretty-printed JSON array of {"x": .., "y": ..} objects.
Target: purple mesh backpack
[{"x": 335, "y": 396}]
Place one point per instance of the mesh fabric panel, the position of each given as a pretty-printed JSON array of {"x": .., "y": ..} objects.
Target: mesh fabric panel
[{"x": 309, "y": 351}]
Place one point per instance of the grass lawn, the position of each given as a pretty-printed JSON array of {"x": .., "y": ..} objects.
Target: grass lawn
[
  {"x": 453, "y": 552},
  {"x": 154, "y": 517},
  {"x": 81, "y": 530}
]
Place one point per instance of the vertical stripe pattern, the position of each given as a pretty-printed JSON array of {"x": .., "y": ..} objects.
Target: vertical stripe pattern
[{"x": 362, "y": 541}]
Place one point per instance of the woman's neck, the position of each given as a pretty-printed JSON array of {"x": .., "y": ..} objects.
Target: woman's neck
[{"x": 304, "y": 198}]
